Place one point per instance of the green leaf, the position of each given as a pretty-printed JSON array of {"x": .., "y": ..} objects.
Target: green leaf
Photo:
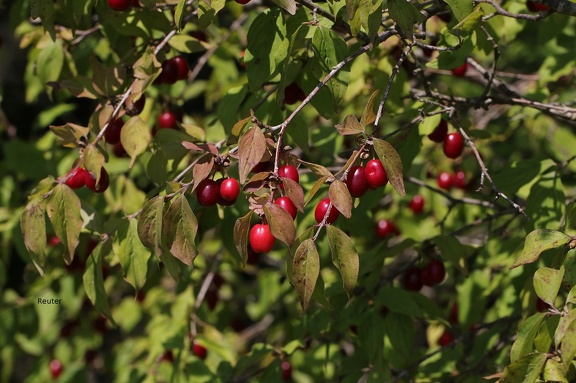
[
  {"x": 554, "y": 372},
  {"x": 401, "y": 332},
  {"x": 281, "y": 223},
  {"x": 33, "y": 227},
  {"x": 405, "y": 15},
  {"x": 461, "y": 9},
  {"x": 288, "y": 5},
  {"x": 340, "y": 198},
  {"x": 344, "y": 256},
  {"x": 524, "y": 370},
  {"x": 469, "y": 23},
  {"x": 241, "y": 231},
  {"x": 305, "y": 271},
  {"x": 135, "y": 137},
  {"x": 180, "y": 228},
  {"x": 186, "y": 44},
  {"x": 399, "y": 300},
  {"x": 94, "y": 281},
  {"x": 538, "y": 241},
  {"x": 392, "y": 164},
  {"x": 93, "y": 160},
  {"x": 178, "y": 12},
  {"x": 428, "y": 125},
  {"x": 568, "y": 347},
  {"x": 267, "y": 47},
  {"x": 368, "y": 116},
  {"x": 131, "y": 253},
  {"x": 70, "y": 135},
  {"x": 63, "y": 209},
  {"x": 562, "y": 329},
  {"x": 545, "y": 336},
  {"x": 528, "y": 330},
  {"x": 150, "y": 224},
  {"x": 547, "y": 282},
  {"x": 50, "y": 61}
]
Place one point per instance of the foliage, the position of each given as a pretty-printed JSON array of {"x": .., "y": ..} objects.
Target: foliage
[{"x": 126, "y": 282}]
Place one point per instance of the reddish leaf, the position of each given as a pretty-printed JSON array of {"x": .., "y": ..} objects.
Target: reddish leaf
[
  {"x": 281, "y": 223},
  {"x": 295, "y": 192},
  {"x": 350, "y": 126},
  {"x": 341, "y": 198},
  {"x": 369, "y": 116},
  {"x": 316, "y": 187},
  {"x": 251, "y": 149},
  {"x": 392, "y": 164},
  {"x": 241, "y": 231},
  {"x": 202, "y": 170},
  {"x": 318, "y": 170}
]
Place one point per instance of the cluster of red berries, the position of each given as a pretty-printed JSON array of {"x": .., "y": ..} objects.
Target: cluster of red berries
[
  {"x": 261, "y": 238},
  {"x": 173, "y": 69},
  {"x": 453, "y": 143},
  {"x": 448, "y": 180},
  {"x": 223, "y": 192},
  {"x": 430, "y": 275},
  {"x": 123, "y": 5},
  {"x": 78, "y": 177}
]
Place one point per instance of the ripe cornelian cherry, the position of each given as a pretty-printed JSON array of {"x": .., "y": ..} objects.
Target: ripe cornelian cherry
[
  {"x": 417, "y": 204},
  {"x": 460, "y": 71},
  {"x": 536, "y": 7},
  {"x": 208, "y": 192},
  {"x": 293, "y": 93},
  {"x": 182, "y": 65},
  {"x": 286, "y": 368},
  {"x": 229, "y": 189},
  {"x": 136, "y": 107},
  {"x": 261, "y": 239},
  {"x": 446, "y": 338},
  {"x": 169, "y": 74},
  {"x": 168, "y": 120},
  {"x": 287, "y": 204},
  {"x": 460, "y": 179},
  {"x": 321, "y": 209},
  {"x": 439, "y": 133},
  {"x": 112, "y": 133},
  {"x": 199, "y": 350},
  {"x": 386, "y": 227},
  {"x": 120, "y": 5},
  {"x": 56, "y": 368},
  {"x": 412, "y": 280},
  {"x": 433, "y": 273},
  {"x": 289, "y": 171},
  {"x": 357, "y": 182},
  {"x": 77, "y": 178},
  {"x": 375, "y": 174},
  {"x": 103, "y": 182},
  {"x": 453, "y": 145},
  {"x": 445, "y": 180}
]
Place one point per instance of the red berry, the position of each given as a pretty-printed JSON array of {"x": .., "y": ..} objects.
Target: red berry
[
  {"x": 417, "y": 204},
  {"x": 136, "y": 107},
  {"x": 77, "y": 178},
  {"x": 357, "y": 182},
  {"x": 169, "y": 74},
  {"x": 102, "y": 183},
  {"x": 289, "y": 171},
  {"x": 182, "y": 65},
  {"x": 208, "y": 192},
  {"x": 321, "y": 209},
  {"x": 229, "y": 189},
  {"x": 460, "y": 71},
  {"x": 119, "y": 5},
  {"x": 168, "y": 356},
  {"x": 445, "y": 180},
  {"x": 119, "y": 151},
  {"x": 56, "y": 368},
  {"x": 212, "y": 298},
  {"x": 287, "y": 204},
  {"x": 199, "y": 350},
  {"x": 454, "y": 314},
  {"x": 412, "y": 280},
  {"x": 53, "y": 240},
  {"x": 167, "y": 120},
  {"x": 536, "y": 7},
  {"x": 446, "y": 338},
  {"x": 439, "y": 133},
  {"x": 261, "y": 239},
  {"x": 460, "y": 179},
  {"x": 286, "y": 368},
  {"x": 386, "y": 227},
  {"x": 112, "y": 133},
  {"x": 293, "y": 94},
  {"x": 99, "y": 324},
  {"x": 243, "y": 2},
  {"x": 541, "y": 306},
  {"x": 453, "y": 145},
  {"x": 433, "y": 273},
  {"x": 375, "y": 174}
]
